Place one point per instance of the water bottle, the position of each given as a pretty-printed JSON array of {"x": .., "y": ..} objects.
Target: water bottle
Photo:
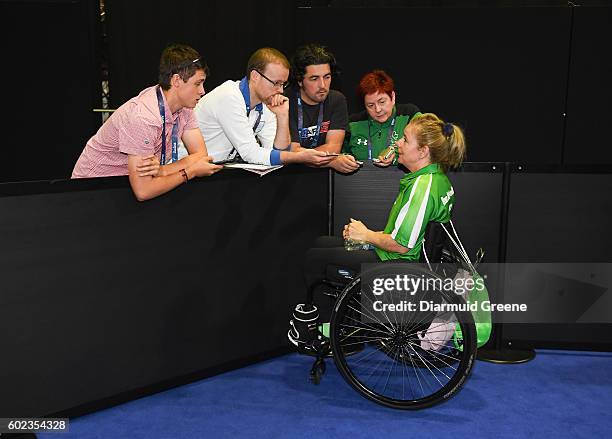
[{"x": 351, "y": 244}]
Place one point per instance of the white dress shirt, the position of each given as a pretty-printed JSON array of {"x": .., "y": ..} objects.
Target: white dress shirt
[{"x": 223, "y": 121}]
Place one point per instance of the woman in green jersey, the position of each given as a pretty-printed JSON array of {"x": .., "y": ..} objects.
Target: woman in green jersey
[{"x": 428, "y": 147}]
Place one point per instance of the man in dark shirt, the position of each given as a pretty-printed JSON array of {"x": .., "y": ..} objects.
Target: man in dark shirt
[{"x": 318, "y": 116}]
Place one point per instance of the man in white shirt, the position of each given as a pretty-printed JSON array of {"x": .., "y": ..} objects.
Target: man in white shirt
[{"x": 250, "y": 117}]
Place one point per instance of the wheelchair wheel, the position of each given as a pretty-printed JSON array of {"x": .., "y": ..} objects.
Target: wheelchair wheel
[{"x": 411, "y": 359}]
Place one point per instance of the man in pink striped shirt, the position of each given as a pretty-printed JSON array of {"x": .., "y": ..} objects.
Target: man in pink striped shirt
[{"x": 140, "y": 138}]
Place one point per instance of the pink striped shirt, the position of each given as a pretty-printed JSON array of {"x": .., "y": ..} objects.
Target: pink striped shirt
[{"x": 136, "y": 129}]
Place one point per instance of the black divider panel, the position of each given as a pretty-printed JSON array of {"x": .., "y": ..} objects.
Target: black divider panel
[
  {"x": 102, "y": 295},
  {"x": 498, "y": 72},
  {"x": 366, "y": 195},
  {"x": 477, "y": 209},
  {"x": 369, "y": 194},
  {"x": 589, "y": 95},
  {"x": 560, "y": 215}
]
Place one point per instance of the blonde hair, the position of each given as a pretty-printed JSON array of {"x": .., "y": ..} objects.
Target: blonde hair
[
  {"x": 264, "y": 56},
  {"x": 446, "y": 141}
]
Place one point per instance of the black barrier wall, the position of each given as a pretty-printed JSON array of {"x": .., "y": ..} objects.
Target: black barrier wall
[
  {"x": 561, "y": 214},
  {"x": 103, "y": 296},
  {"x": 105, "y": 299}
]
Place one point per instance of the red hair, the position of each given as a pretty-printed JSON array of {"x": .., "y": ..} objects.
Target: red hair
[{"x": 376, "y": 81}]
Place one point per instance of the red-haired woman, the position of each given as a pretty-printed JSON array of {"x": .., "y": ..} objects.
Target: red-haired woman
[{"x": 381, "y": 124}]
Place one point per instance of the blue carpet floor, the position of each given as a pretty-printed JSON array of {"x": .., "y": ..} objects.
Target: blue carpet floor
[{"x": 559, "y": 394}]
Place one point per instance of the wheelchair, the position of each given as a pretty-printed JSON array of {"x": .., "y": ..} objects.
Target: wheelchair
[{"x": 411, "y": 359}]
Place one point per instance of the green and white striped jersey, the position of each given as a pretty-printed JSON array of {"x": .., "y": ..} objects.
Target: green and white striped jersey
[{"x": 425, "y": 195}]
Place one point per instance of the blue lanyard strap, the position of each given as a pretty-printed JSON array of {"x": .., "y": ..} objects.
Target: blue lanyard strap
[
  {"x": 370, "y": 136},
  {"x": 162, "y": 113},
  {"x": 246, "y": 94},
  {"x": 303, "y": 132}
]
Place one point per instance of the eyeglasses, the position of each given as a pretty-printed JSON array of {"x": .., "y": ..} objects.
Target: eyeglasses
[{"x": 280, "y": 84}]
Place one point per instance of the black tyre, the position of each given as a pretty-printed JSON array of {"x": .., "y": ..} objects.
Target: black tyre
[{"x": 411, "y": 359}]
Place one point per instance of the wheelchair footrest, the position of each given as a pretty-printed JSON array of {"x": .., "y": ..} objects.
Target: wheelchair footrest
[{"x": 314, "y": 351}]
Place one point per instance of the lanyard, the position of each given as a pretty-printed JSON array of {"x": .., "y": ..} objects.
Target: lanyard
[
  {"x": 246, "y": 94},
  {"x": 303, "y": 132},
  {"x": 370, "y": 136},
  {"x": 162, "y": 113}
]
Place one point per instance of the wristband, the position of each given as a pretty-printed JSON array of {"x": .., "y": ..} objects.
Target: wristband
[
  {"x": 184, "y": 174},
  {"x": 275, "y": 157}
]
